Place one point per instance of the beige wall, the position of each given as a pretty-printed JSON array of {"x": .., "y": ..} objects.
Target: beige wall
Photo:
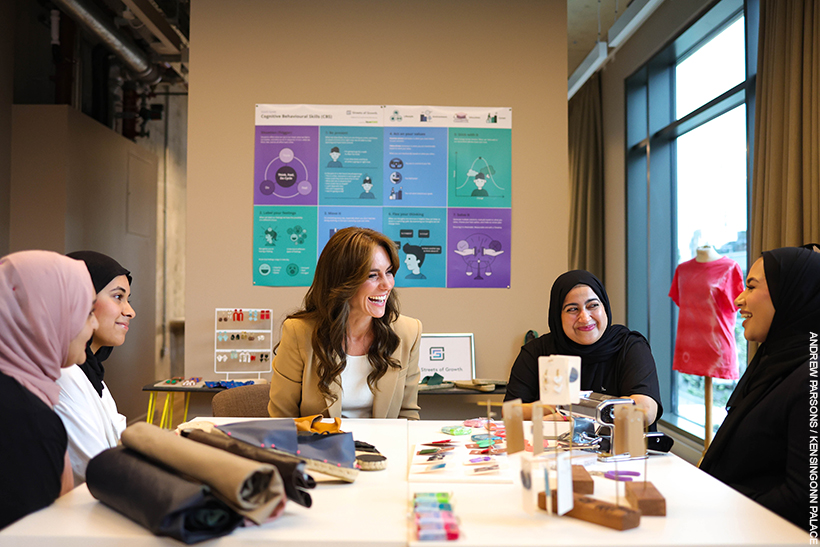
[
  {"x": 75, "y": 185},
  {"x": 416, "y": 52},
  {"x": 666, "y": 22}
]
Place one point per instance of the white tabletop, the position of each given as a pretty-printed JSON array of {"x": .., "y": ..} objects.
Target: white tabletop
[
  {"x": 700, "y": 511},
  {"x": 373, "y": 511}
]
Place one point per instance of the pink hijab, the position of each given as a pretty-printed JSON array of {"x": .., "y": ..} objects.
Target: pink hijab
[{"x": 45, "y": 299}]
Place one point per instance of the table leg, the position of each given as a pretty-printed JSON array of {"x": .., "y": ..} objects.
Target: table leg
[
  {"x": 187, "y": 401},
  {"x": 152, "y": 400},
  {"x": 164, "y": 419},
  {"x": 171, "y": 412}
]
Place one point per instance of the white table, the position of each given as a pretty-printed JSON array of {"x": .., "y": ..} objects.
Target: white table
[
  {"x": 700, "y": 511},
  {"x": 373, "y": 511}
]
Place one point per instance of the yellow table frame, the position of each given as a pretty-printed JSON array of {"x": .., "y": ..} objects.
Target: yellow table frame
[{"x": 166, "y": 420}]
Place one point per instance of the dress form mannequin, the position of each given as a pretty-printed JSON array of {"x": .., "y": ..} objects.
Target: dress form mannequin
[{"x": 707, "y": 253}]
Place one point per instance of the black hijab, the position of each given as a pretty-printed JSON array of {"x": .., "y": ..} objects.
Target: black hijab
[
  {"x": 607, "y": 346},
  {"x": 604, "y": 366},
  {"x": 793, "y": 278},
  {"x": 103, "y": 270}
]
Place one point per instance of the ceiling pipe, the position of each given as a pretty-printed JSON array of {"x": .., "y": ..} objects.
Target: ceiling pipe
[{"x": 92, "y": 18}]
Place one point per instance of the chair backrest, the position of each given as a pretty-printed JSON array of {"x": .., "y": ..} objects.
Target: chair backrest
[{"x": 242, "y": 402}]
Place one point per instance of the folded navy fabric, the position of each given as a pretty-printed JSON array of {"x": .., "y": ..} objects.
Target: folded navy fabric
[
  {"x": 158, "y": 499},
  {"x": 333, "y": 454}
]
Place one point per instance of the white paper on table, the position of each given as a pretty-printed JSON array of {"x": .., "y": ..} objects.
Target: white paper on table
[{"x": 533, "y": 473}]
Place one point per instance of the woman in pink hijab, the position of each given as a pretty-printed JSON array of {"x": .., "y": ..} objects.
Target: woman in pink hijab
[{"x": 46, "y": 302}]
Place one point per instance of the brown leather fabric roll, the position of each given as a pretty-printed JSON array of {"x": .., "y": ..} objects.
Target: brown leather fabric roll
[
  {"x": 291, "y": 468},
  {"x": 253, "y": 489}
]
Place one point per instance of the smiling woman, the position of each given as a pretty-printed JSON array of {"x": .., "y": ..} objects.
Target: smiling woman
[
  {"x": 45, "y": 320},
  {"x": 768, "y": 413},
  {"x": 348, "y": 352},
  {"x": 86, "y": 406},
  {"x": 614, "y": 360}
]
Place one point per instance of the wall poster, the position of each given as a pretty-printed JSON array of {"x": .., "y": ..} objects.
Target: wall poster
[{"x": 436, "y": 180}]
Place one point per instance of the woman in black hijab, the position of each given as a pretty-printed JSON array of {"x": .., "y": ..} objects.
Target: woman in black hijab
[
  {"x": 614, "y": 360},
  {"x": 762, "y": 447},
  {"x": 86, "y": 407}
]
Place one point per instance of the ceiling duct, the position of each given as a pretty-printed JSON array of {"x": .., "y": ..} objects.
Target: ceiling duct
[{"x": 89, "y": 16}]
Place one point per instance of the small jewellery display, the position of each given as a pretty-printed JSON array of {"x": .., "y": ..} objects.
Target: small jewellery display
[{"x": 242, "y": 340}]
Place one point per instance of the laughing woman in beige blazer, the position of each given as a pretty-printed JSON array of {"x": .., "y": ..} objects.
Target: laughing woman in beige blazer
[{"x": 349, "y": 353}]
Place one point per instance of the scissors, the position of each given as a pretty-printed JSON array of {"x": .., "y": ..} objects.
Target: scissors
[{"x": 624, "y": 476}]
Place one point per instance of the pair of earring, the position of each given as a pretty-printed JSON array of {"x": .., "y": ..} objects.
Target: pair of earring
[
  {"x": 233, "y": 354},
  {"x": 253, "y": 315},
  {"x": 220, "y": 357},
  {"x": 557, "y": 382},
  {"x": 223, "y": 316},
  {"x": 222, "y": 336}
]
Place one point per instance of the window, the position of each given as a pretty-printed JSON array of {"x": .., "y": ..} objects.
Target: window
[{"x": 689, "y": 146}]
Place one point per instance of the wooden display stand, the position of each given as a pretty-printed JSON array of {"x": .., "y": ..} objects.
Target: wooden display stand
[
  {"x": 597, "y": 512},
  {"x": 644, "y": 497},
  {"x": 582, "y": 482}
]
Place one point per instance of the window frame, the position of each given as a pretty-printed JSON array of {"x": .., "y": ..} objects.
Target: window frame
[{"x": 651, "y": 185}]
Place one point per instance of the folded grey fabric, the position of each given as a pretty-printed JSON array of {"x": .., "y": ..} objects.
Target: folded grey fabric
[
  {"x": 291, "y": 468},
  {"x": 253, "y": 489},
  {"x": 161, "y": 501}
]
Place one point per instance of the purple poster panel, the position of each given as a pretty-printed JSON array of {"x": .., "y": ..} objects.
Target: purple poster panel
[
  {"x": 286, "y": 165},
  {"x": 478, "y": 248}
]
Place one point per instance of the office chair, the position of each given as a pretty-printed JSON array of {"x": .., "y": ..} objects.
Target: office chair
[{"x": 242, "y": 402}]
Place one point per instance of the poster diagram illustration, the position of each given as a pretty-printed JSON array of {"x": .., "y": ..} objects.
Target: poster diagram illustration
[
  {"x": 479, "y": 242},
  {"x": 284, "y": 245},
  {"x": 480, "y": 163},
  {"x": 285, "y": 170},
  {"x": 350, "y": 169},
  {"x": 436, "y": 180},
  {"x": 416, "y": 166},
  {"x": 334, "y": 218},
  {"x": 420, "y": 234}
]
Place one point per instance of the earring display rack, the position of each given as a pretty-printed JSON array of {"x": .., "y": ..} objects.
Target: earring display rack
[{"x": 243, "y": 340}]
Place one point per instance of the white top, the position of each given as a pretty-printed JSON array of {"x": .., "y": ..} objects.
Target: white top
[
  {"x": 92, "y": 422},
  {"x": 357, "y": 399}
]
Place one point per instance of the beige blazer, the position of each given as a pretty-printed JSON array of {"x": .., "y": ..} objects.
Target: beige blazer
[{"x": 294, "y": 389}]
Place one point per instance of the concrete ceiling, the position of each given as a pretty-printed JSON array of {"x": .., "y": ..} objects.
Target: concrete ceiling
[{"x": 582, "y": 26}]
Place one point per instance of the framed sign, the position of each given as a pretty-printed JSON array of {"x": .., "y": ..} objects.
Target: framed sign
[{"x": 452, "y": 355}]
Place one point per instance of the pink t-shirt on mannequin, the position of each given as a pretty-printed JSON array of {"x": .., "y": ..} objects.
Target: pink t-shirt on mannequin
[{"x": 705, "y": 293}]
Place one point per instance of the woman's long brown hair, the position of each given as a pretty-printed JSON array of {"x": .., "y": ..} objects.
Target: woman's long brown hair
[{"x": 343, "y": 267}]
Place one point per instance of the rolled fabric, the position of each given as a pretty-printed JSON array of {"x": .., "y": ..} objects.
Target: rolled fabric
[
  {"x": 161, "y": 501},
  {"x": 291, "y": 468},
  {"x": 253, "y": 489}
]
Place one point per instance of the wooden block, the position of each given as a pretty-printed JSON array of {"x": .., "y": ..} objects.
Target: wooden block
[
  {"x": 582, "y": 482},
  {"x": 644, "y": 497},
  {"x": 598, "y": 512}
]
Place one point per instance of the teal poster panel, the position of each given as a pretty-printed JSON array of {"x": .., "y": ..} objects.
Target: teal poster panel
[
  {"x": 479, "y": 167},
  {"x": 350, "y": 166},
  {"x": 285, "y": 245},
  {"x": 421, "y": 236}
]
